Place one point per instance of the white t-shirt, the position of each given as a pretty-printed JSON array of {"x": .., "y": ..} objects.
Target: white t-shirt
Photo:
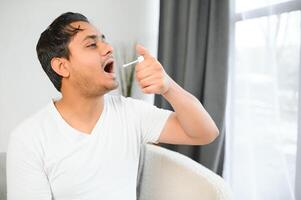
[{"x": 48, "y": 159}]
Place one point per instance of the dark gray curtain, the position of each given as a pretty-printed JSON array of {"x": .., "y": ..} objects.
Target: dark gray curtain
[{"x": 193, "y": 48}]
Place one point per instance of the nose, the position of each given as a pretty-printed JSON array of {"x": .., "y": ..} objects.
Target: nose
[{"x": 106, "y": 49}]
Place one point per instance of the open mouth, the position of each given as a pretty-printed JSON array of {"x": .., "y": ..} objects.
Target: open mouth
[{"x": 109, "y": 66}]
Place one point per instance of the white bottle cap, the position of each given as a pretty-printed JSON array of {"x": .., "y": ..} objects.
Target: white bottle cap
[{"x": 140, "y": 58}]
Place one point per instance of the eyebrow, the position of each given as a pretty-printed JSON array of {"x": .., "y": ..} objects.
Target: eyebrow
[{"x": 94, "y": 37}]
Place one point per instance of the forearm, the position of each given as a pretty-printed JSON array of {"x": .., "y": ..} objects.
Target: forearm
[{"x": 192, "y": 116}]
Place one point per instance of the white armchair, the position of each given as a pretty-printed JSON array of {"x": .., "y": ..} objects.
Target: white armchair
[{"x": 169, "y": 175}]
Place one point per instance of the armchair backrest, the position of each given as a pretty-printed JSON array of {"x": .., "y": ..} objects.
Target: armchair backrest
[{"x": 166, "y": 174}]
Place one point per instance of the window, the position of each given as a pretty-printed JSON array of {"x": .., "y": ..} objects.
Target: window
[{"x": 263, "y": 100}]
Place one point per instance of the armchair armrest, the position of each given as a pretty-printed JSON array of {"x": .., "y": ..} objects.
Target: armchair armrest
[{"x": 168, "y": 175}]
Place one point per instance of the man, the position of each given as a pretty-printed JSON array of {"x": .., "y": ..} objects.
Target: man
[{"x": 86, "y": 145}]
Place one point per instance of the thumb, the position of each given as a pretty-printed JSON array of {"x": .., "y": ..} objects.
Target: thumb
[{"x": 141, "y": 50}]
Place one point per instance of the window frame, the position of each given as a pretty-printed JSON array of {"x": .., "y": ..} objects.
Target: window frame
[{"x": 274, "y": 9}]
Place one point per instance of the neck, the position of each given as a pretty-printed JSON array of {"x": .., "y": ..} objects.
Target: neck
[{"x": 79, "y": 110}]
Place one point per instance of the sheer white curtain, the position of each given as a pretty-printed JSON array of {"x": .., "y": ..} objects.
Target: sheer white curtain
[{"x": 263, "y": 100}]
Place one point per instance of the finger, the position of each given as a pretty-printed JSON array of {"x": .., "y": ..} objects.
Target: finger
[
  {"x": 150, "y": 89},
  {"x": 143, "y": 65},
  {"x": 141, "y": 50},
  {"x": 146, "y": 72},
  {"x": 151, "y": 62},
  {"x": 152, "y": 80}
]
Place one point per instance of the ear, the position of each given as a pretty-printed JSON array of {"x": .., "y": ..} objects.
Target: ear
[{"x": 60, "y": 66}]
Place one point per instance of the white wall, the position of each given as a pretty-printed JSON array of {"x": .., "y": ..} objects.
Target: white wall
[{"x": 24, "y": 87}]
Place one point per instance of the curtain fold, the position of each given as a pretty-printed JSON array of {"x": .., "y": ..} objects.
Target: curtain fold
[{"x": 193, "y": 48}]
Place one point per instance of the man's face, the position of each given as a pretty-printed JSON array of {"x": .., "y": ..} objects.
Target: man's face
[{"x": 91, "y": 62}]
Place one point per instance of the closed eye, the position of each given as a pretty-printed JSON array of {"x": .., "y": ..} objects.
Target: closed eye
[{"x": 93, "y": 45}]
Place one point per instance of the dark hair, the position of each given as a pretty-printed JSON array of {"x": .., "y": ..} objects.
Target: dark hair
[{"x": 54, "y": 42}]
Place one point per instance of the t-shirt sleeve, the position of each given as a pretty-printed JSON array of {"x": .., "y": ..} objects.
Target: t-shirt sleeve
[
  {"x": 26, "y": 178},
  {"x": 151, "y": 120}
]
